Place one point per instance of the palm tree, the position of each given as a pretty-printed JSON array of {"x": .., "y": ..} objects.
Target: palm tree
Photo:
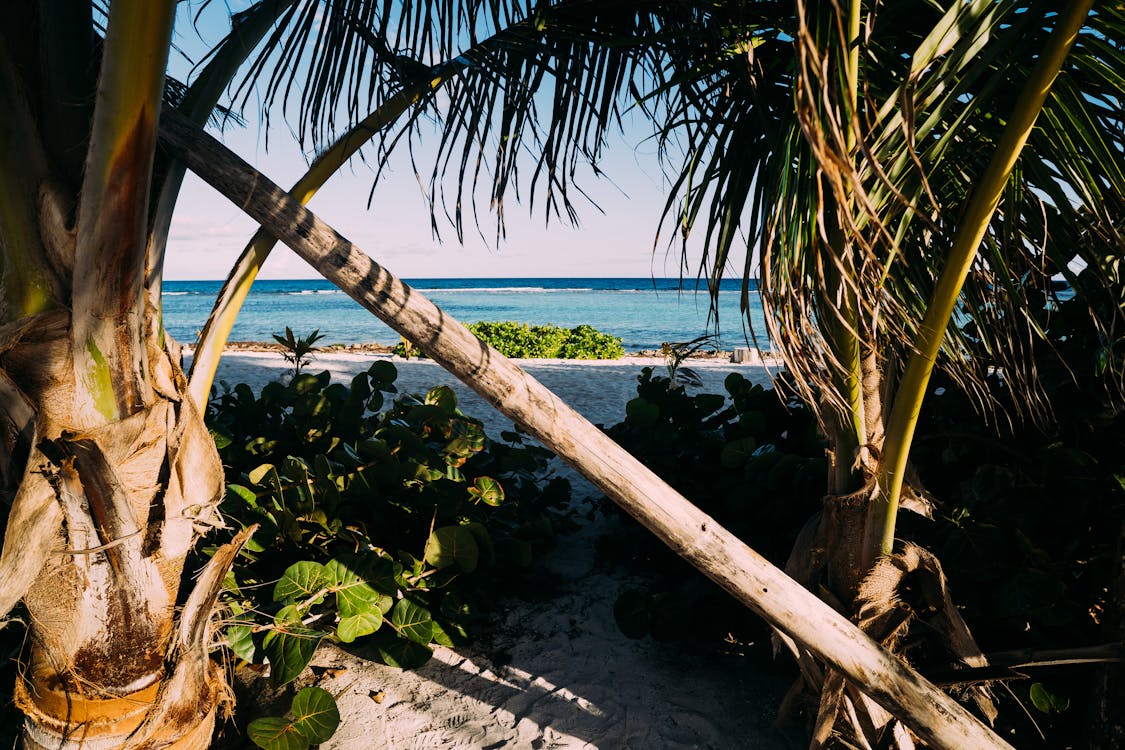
[
  {"x": 109, "y": 475},
  {"x": 865, "y": 150},
  {"x": 110, "y": 472}
]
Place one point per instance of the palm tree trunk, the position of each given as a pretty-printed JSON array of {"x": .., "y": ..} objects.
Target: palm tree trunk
[
  {"x": 691, "y": 533},
  {"x": 109, "y": 662}
]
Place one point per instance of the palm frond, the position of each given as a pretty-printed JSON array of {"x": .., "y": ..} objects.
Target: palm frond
[{"x": 932, "y": 86}]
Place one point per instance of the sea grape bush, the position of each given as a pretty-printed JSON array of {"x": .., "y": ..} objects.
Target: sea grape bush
[
  {"x": 519, "y": 340},
  {"x": 312, "y": 718},
  {"x": 751, "y": 461},
  {"x": 390, "y": 522},
  {"x": 586, "y": 342}
]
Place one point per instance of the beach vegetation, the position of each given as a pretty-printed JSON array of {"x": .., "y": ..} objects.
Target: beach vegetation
[
  {"x": 391, "y": 518},
  {"x": 898, "y": 180},
  {"x": 298, "y": 350},
  {"x": 405, "y": 348},
  {"x": 910, "y": 183},
  {"x": 312, "y": 718},
  {"x": 523, "y": 341},
  {"x": 676, "y": 352},
  {"x": 638, "y": 57}
]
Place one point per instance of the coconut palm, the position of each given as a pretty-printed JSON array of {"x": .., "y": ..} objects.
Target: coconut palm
[
  {"x": 865, "y": 150},
  {"x": 109, "y": 475},
  {"x": 109, "y": 470}
]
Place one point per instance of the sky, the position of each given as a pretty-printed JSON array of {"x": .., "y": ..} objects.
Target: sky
[{"x": 616, "y": 238}]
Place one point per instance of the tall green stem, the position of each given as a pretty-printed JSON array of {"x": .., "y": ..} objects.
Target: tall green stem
[
  {"x": 109, "y": 356},
  {"x": 845, "y": 329},
  {"x": 27, "y": 282},
  {"x": 213, "y": 339},
  {"x": 982, "y": 205}
]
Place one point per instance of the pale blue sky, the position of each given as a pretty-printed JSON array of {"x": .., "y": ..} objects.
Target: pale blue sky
[{"x": 208, "y": 232}]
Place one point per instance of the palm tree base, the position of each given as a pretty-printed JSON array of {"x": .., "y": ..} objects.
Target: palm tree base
[{"x": 55, "y": 720}]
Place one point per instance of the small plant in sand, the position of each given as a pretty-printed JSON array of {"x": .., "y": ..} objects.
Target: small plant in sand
[
  {"x": 676, "y": 352},
  {"x": 298, "y": 350},
  {"x": 406, "y": 349}
]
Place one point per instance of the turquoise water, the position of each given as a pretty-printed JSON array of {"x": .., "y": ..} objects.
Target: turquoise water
[{"x": 643, "y": 312}]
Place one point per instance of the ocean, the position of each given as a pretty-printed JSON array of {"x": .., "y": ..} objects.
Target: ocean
[{"x": 644, "y": 312}]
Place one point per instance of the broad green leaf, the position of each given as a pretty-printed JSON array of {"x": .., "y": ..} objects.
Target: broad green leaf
[
  {"x": 300, "y": 581},
  {"x": 315, "y": 718},
  {"x": 484, "y": 542},
  {"x": 288, "y": 616},
  {"x": 488, "y": 491},
  {"x": 708, "y": 403},
  {"x": 1046, "y": 701},
  {"x": 440, "y": 636},
  {"x": 305, "y": 383},
  {"x": 1040, "y": 698},
  {"x": 273, "y": 733},
  {"x": 357, "y": 598},
  {"x": 315, "y": 714},
  {"x": 295, "y": 469},
  {"x": 452, "y": 544},
  {"x": 260, "y": 446},
  {"x": 240, "y": 639},
  {"x": 359, "y": 625},
  {"x": 383, "y": 375},
  {"x": 444, "y": 398},
  {"x": 289, "y": 652},
  {"x": 412, "y": 622},
  {"x": 354, "y": 595},
  {"x": 244, "y": 494},
  {"x": 259, "y": 474},
  {"x": 344, "y": 570}
]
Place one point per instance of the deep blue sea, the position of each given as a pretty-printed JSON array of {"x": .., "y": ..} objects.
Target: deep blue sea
[{"x": 644, "y": 312}]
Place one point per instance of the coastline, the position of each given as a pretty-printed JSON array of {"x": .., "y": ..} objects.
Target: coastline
[{"x": 596, "y": 388}]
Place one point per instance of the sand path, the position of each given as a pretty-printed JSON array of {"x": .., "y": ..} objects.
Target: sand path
[{"x": 556, "y": 673}]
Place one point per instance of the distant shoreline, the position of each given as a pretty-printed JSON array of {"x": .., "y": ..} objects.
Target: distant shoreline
[{"x": 375, "y": 348}]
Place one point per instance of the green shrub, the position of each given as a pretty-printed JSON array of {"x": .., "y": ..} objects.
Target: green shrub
[
  {"x": 394, "y": 526},
  {"x": 750, "y": 461},
  {"x": 519, "y": 340}
]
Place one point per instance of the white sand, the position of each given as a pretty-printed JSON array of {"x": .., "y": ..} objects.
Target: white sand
[{"x": 568, "y": 678}]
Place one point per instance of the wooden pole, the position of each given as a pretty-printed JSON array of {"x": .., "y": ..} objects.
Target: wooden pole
[{"x": 694, "y": 535}]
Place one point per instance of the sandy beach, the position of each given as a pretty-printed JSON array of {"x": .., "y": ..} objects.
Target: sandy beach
[{"x": 555, "y": 673}]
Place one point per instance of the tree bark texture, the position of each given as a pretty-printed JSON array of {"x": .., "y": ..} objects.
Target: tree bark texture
[
  {"x": 102, "y": 519},
  {"x": 930, "y": 713}
]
